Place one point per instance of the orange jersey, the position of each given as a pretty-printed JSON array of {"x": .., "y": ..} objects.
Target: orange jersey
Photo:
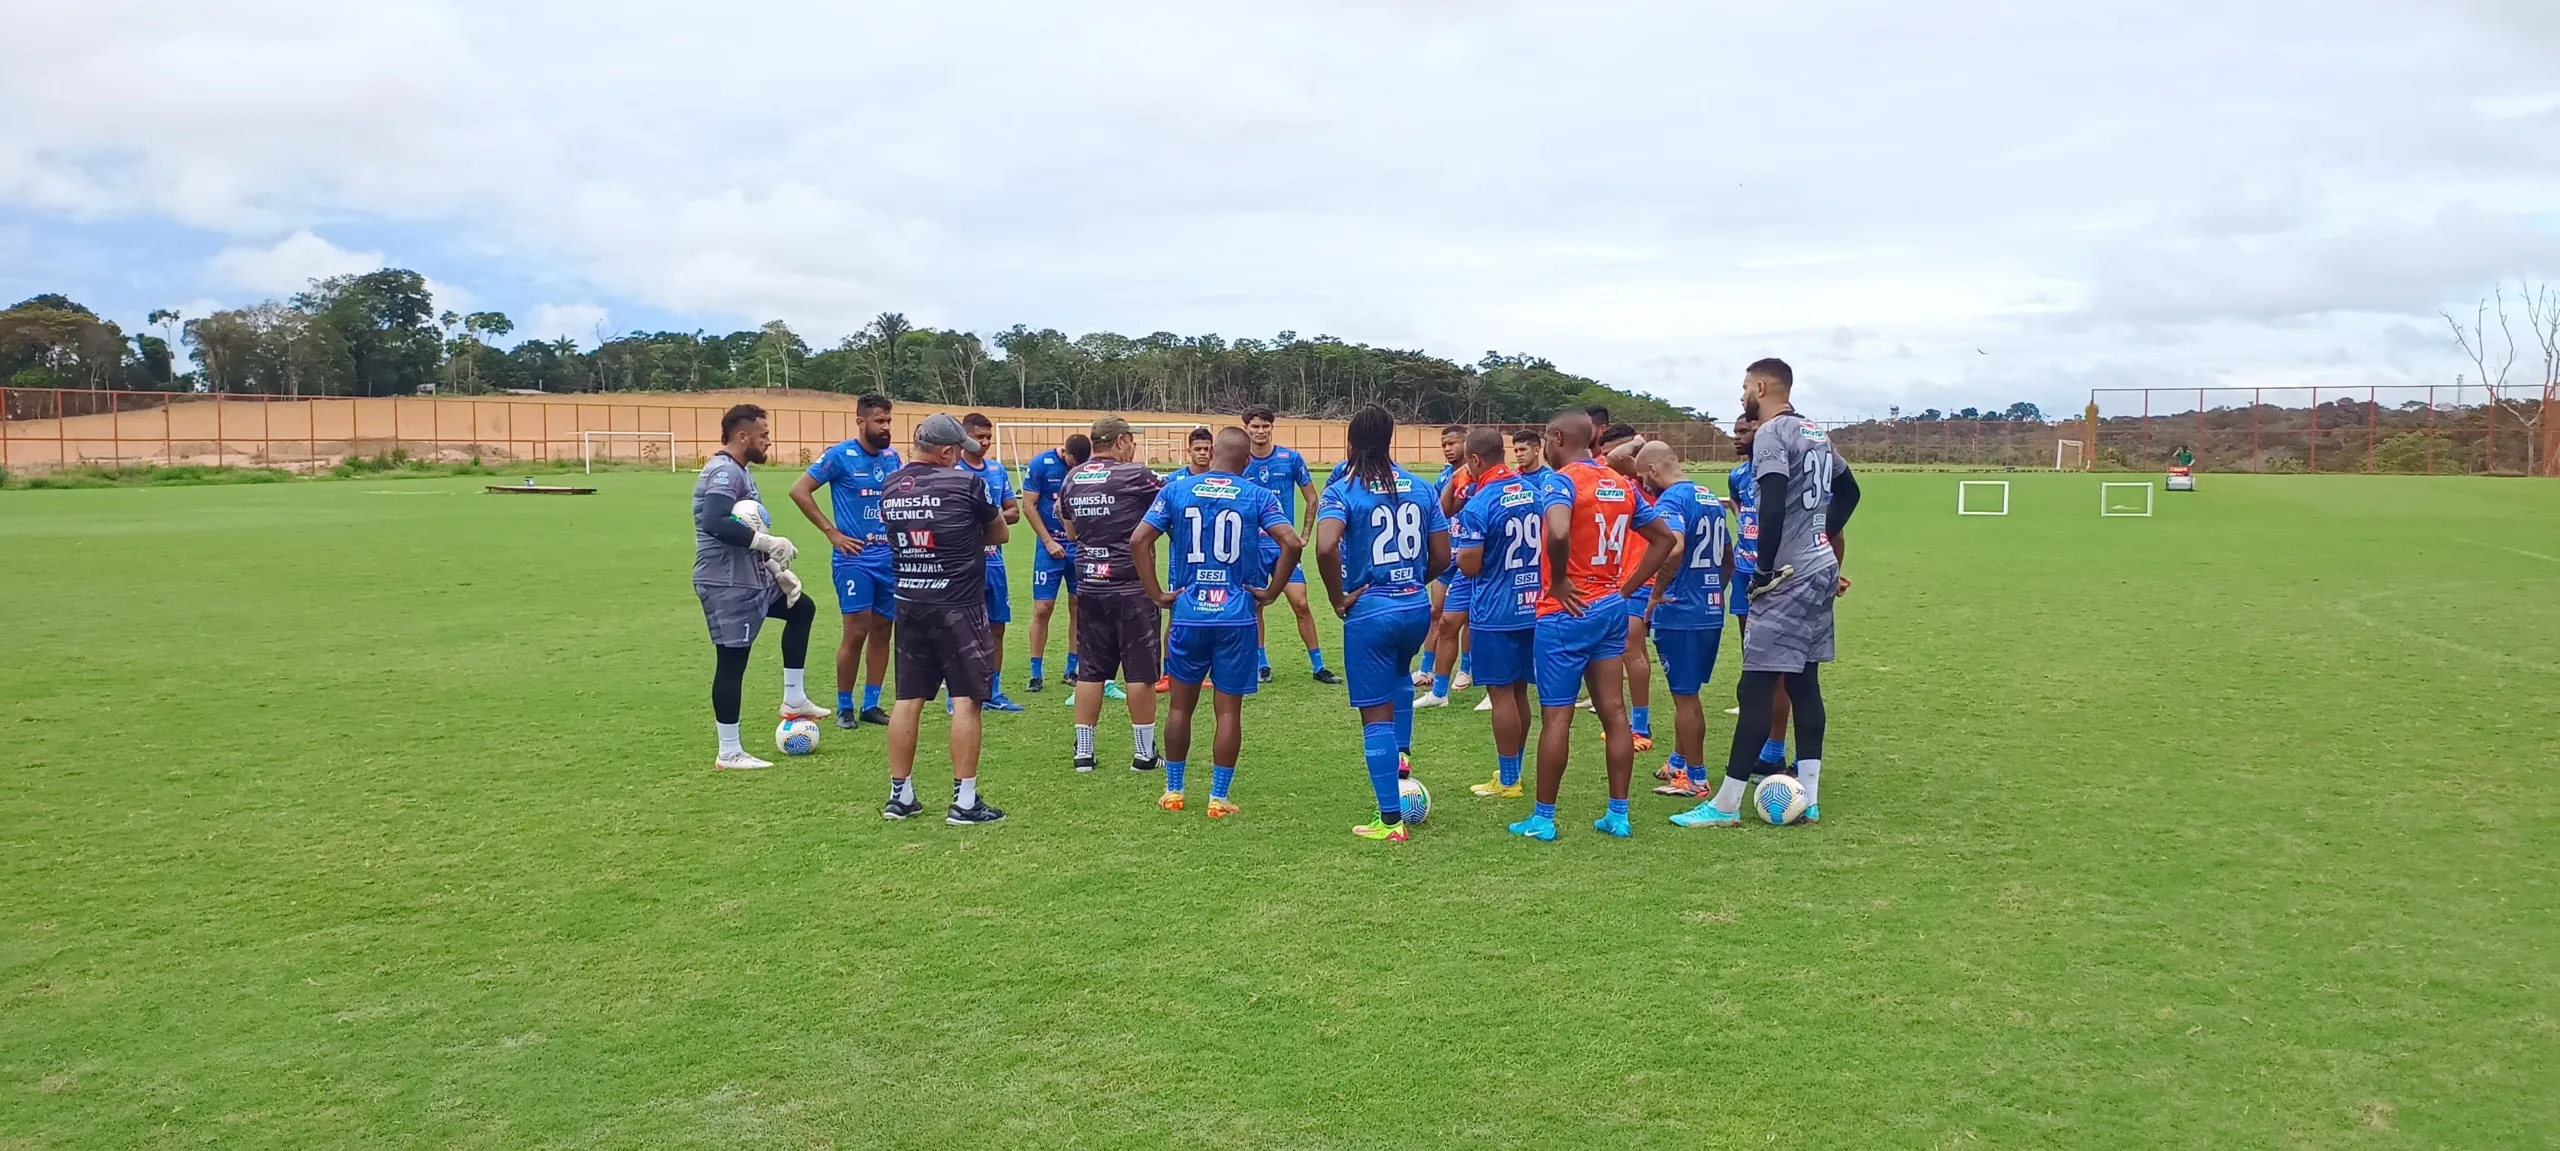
[
  {"x": 1635, "y": 540},
  {"x": 1603, "y": 509}
]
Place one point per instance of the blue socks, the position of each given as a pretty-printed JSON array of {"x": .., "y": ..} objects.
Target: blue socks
[
  {"x": 1315, "y": 659},
  {"x": 870, "y": 696},
  {"x": 1440, "y": 686},
  {"x": 844, "y": 701},
  {"x": 1467, "y": 662},
  {"x": 1262, "y": 659},
  {"x": 1036, "y": 667},
  {"x": 1378, "y": 748},
  {"x": 1429, "y": 658},
  {"x": 1404, "y": 719},
  {"x": 1547, "y": 811},
  {"x": 1071, "y": 665},
  {"x": 1617, "y": 807},
  {"x": 1774, "y": 751},
  {"x": 995, "y": 685},
  {"x": 1642, "y": 718},
  {"x": 1173, "y": 774},
  {"x": 1509, "y": 767},
  {"x": 1221, "y": 778}
]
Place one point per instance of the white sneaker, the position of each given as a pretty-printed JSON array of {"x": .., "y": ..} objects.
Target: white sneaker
[
  {"x": 1422, "y": 679},
  {"x": 1485, "y": 704},
  {"x": 1734, "y": 711},
  {"x": 805, "y": 709},
  {"x": 1430, "y": 699},
  {"x": 738, "y": 761},
  {"x": 1584, "y": 703},
  {"x": 1461, "y": 682}
]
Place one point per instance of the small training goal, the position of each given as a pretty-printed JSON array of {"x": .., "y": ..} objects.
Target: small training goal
[
  {"x": 1973, "y": 502},
  {"x": 638, "y": 447},
  {"x": 1160, "y": 444},
  {"x": 2122, "y": 500},
  {"x": 2069, "y": 455}
]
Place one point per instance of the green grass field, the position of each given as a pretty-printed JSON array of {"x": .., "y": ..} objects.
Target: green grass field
[{"x": 378, "y": 813}]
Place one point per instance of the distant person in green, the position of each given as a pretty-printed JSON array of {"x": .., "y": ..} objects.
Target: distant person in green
[{"x": 2186, "y": 459}]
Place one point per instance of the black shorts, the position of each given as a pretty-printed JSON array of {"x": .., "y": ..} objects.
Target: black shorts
[
  {"x": 1117, "y": 633},
  {"x": 941, "y": 645}
]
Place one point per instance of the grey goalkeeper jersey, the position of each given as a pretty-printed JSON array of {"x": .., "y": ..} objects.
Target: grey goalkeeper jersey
[
  {"x": 1790, "y": 445},
  {"x": 718, "y": 564}
]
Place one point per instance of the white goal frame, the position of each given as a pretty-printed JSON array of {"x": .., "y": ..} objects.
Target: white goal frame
[
  {"x": 587, "y": 445},
  {"x": 2148, "y": 491},
  {"x": 1046, "y": 434},
  {"x": 2003, "y": 485},
  {"x": 2077, "y": 448}
]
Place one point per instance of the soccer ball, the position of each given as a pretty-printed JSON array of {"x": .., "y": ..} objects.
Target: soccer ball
[
  {"x": 1417, "y": 801},
  {"x": 752, "y": 514},
  {"x": 1780, "y": 799},
  {"x": 796, "y": 736}
]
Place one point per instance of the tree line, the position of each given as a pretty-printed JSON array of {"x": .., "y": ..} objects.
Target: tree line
[{"x": 380, "y": 334}]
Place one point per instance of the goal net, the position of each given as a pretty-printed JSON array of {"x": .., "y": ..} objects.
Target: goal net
[
  {"x": 1160, "y": 445},
  {"x": 650, "y": 448},
  {"x": 2133, "y": 500},
  {"x": 2070, "y": 455},
  {"x": 1982, "y": 497}
]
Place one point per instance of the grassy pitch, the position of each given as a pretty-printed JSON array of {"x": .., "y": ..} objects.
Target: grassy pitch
[{"x": 378, "y": 813}]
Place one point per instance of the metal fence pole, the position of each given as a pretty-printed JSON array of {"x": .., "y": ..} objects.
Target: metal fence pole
[
  {"x": 2431, "y": 429},
  {"x": 115, "y": 432},
  {"x": 2368, "y": 429},
  {"x": 2492, "y": 412},
  {"x": 2315, "y": 429},
  {"x": 2257, "y": 461}
]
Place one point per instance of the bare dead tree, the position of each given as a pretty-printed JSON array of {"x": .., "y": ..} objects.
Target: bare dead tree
[{"x": 2494, "y": 366}]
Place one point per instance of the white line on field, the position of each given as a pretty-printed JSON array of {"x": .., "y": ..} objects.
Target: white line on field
[
  {"x": 2347, "y": 607},
  {"x": 2518, "y": 551}
]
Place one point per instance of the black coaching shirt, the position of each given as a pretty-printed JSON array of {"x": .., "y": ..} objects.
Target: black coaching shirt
[
  {"x": 937, "y": 521},
  {"x": 1105, "y": 499}
]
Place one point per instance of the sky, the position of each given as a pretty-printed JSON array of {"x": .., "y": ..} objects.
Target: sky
[{"x": 1963, "y": 203}]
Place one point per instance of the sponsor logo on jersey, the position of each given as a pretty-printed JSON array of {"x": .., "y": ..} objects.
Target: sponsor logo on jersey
[
  {"x": 1216, "y": 487},
  {"x": 1517, "y": 497},
  {"x": 919, "y": 539}
]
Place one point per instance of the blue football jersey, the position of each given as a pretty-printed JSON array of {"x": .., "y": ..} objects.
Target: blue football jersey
[
  {"x": 1211, "y": 521},
  {"x": 1386, "y": 535},
  {"x": 1504, "y": 521},
  {"x": 1746, "y": 515},
  {"x": 854, "y": 476},
  {"x": 999, "y": 485},
  {"x": 1281, "y": 473},
  {"x": 1696, "y": 596},
  {"x": 1041, "y": 479}
]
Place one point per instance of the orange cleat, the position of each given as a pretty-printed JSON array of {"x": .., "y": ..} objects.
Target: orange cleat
[
  {"x": 1170, "y": 801},
  {"x": 1220, "y": 808},
  {"x": 1643, "y": 742}
]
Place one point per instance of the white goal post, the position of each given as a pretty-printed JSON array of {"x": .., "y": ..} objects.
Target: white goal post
[
  {"x": 2107, "y": 505},
  {"x": 1160, "y": 444},
  {"x": 2077, "y": 452},
  {"x": 587, "y": 446},
  {"x": 1965, "y": 508}
]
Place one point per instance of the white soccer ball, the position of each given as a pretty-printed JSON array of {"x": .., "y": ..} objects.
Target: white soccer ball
[
  {"x": 1417, "y": 801},
  {"x": 752, "y": 514},
  {"x": 796, "y": 736},
  {"x": 1780, "y": 800}
]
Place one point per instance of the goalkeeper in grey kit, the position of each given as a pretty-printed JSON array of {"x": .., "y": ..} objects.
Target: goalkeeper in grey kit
[{"x": 742, "y": 576}]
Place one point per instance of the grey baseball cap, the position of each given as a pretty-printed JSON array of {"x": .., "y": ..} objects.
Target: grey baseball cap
[{"x": 940, "y": 430}]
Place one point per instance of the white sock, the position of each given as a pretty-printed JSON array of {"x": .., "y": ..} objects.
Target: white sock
[
  {"x": 1809, "y": 773},
  {"x": 1729, "y": 796},
  {"x": 729, "y": 744},
  {"x": 795, "y": 685},
  {"x": 1144, "y": 736},
  {"x": 1084, "y": 741},
  {"x": 903, "y": 790},
  {"x": 966, "y": 792}
]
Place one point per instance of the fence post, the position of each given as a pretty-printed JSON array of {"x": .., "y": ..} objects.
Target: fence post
[
  {"x": 61, "y": 441},
  {"x": 2199, "y": 417},
  {"x": 2492, "y": 412},
  {"x": 2257, "y": 463},
  {"x": 2368, "y": 429},
  {"x": 168, "y": 437},
  {"x": 2315, "y": 429},
  {"x": 311, "y": 432},
  {"x": 115, "y": 430},
  {"x": 2431, "y": 429},
  {"x": 2146, "y": 424}
]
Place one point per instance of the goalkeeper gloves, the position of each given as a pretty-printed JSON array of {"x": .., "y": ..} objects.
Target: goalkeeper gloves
[
  {"x": 790, "y": 585},
  {"x": 1765, "y": 581},
  {"x": 777, "y": 548}
]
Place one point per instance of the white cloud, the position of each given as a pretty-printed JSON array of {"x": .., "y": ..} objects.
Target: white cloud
[
  {"x": 1647, "y": 191},
  {"x": 289, "y": 264},
  {"x": 578, "y": 322}
]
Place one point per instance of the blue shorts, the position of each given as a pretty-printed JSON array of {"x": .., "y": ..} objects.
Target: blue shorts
[
  {"x": 1738, "y": 594},
  {"x": 1271, "y": 559},
  {"x": 1378, "y": 651},
  {"x": 999, "y": 592},
  {"x": 1224, "y": 656},
  {"x": 1688, "y": 656},
  {"x": 1504, "y": 658},
  {"x": 1462, "y": 593},
  {"x": 1567, "y": 647},
  {"x": 1047, "y": 574},
  {"x": 861, "y": 587}
]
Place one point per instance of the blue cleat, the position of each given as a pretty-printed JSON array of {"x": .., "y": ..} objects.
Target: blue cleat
[
  {"x": 1706, "y": 815},
  {"x": 1003, "y": 703},
  {"x": 1537, "y": 828},
  {"x": 1811, "y": 814},
  {"x": 1613, "y": 824}
]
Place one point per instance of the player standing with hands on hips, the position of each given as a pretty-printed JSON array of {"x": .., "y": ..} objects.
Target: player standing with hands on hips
[
  {"x": 939, "y": 521},
  {"x": 1803, "y": 489},
  {"x": 1379, "y": 537},
  {"x": 737, "y": 589},
  {"x": 852, "y": 472}
]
